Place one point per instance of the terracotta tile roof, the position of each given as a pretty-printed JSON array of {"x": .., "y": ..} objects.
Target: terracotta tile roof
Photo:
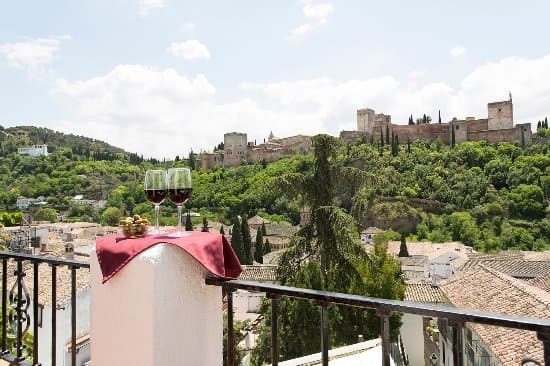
[
  {"x": 417, "y": 260},
  {"x": 257, "y": 220},
  {"x": 424, "y": 292},
  {"x": 433, "y": 250},
  {"x": 483, "y": 288},
  {"x": 520, "y": 268},
  {"x": 542, "y": 282},
  {"x": 260, "y": 273}
]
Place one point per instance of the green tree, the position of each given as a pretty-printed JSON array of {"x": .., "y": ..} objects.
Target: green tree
[
  {"x": 403, "y": 251},
  {"x": 324, "y": 254},
  {"x": 453, "y": 136},
  {"x": 388, "y": 134},
  {"x": 46, "y": 214},
  {"x": 267, "y": 246},
  {"x": 204, "y": 224},
  {"x": 111, "y": 216},
  {"x": 439, "y": 114},
  {"x": 527, "y": 200},
  {"x": 247, "y": 240},
  {"x": 188, "y": 222},
  {"x": 264, "y": 232},
  {"x": 259, "y": 247},
  {"x": 237, "y": 240}
]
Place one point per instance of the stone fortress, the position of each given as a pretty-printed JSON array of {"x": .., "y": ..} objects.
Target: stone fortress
[
  {"x": 238, "y": 150},
  {"x": 497, "y": 127}
]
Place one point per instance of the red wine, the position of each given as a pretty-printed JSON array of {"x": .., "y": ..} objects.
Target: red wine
[
  {"x": 156, "y": 195},
  {"x": 179, "y": 195}
]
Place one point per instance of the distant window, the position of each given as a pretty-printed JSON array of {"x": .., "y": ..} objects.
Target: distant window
[{"x": 500, "y": 110}]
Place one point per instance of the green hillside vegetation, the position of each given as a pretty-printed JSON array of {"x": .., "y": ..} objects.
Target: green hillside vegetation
[{"x": 490, "y": 197}]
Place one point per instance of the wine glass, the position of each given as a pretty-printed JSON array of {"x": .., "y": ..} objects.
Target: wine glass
[
  {"x": 156, "y": 189},
  {"x": 179, "y": 191}
]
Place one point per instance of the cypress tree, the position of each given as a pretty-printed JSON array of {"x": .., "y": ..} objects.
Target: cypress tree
[
  {"x": 267, "y": 247},
  {"x": 408, "y": 145},
  {"x": 388, "y": 134},
  {"x": 222, "y": 231},
  {"x": 247, "y": 240},
  {"x": 546, "y": 122},
  {"x": 259, "y": 247},
  {"x": 204, "y": 225},
  {"x": 403, "y": 251},
  {"x": 539, "y": 124},
  {"x": 264, "y": 232},
  {"x": 381, "y": 138},
  {"x": 237, "y": 240},
  {"x": 188, "y": 223},
  {"x": 424, "y": 118},
  {"x": 453, "y": 138},
  {"x": 439, "y": 119},
  {"x": 396, "y": 144}
]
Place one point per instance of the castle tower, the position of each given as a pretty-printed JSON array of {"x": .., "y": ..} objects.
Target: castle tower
[
  {"x": 365, "y": 120},
  {"x": 500, "y": 115},
  {"x": 235, "y": 143}
]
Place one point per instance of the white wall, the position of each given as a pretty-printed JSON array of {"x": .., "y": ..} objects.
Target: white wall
[
  {"x": 247, "y": 302},
  {"x": 413, "y": 338},
  {"x": 156, "y": 311},
  {"x": 63, "y": 330}
]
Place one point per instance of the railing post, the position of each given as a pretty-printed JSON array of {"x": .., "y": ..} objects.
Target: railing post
[
  {"x": 545, "y": 338},
  {"x": 4, "y": 306},
  {"x": 35, "y": 312},
  {"x": 323, "y": 306},
  {"x": 384, "y": 315},
  {"x": 230, "y": 330},
  {"x": 274, "y": 330},
  {"x": 54, "y": 313},
  {"x": 458, "y": 353},
  {"x": 73, "y": 315},
  {"x": 19, "y": 311}
]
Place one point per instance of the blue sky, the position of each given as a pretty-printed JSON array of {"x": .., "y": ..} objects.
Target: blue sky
[{"x": 162, "y": 76}]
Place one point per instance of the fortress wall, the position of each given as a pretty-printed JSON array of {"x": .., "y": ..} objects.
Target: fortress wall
[
  {"x": 351, "y": 136},
  {"x": 508, "y": 134},
  {"x": 256, "y": 155},
  {"x": 422, "y": 132},
  {"x": 477, "y": 125}
]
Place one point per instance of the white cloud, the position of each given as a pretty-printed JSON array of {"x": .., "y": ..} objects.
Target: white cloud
[
  {"x": 190, "y": 50},
  {"x": 32, "y": 54},
  {"x": 315, "y": 14},
  {"x": 145, "y": 6},
  {"x": 164, "y": 113},
  {"x": 457, "y": 51},
  {"x": 189, "y": 27}
]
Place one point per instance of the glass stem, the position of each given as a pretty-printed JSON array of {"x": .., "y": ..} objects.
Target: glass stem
[
  {"x": 179, "y": 219},
  {"x": 157, "y": 209}
]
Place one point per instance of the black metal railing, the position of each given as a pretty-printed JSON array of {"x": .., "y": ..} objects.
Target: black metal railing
[
  {"x": 457, "y": 317},
  {"x": 17, "y": 300}
]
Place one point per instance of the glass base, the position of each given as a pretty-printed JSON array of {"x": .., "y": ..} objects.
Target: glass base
[
  {"x": 155, "y": 232},
  {"x": 178, "y": 234}
]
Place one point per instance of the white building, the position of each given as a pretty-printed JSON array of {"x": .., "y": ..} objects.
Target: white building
[
  {"x": 35, "y": 150},
  {"x": 23, "y": 203},
  {"x": 367, "y": 235}
]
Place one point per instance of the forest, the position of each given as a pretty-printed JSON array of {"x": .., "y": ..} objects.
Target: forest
[{"x": 486, "y": 196}]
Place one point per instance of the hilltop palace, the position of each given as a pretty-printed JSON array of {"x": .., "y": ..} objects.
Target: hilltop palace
[{"x": 497, "y": 127}]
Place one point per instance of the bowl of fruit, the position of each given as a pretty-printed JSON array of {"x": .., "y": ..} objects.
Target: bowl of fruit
[{"x": 134, "y": 227}]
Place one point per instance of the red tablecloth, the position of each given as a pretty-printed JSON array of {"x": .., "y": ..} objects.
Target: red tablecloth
[{"x": 212, "y": 251}]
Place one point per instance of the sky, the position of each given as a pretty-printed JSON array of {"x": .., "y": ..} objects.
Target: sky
[{"x": 162, "y": 77}]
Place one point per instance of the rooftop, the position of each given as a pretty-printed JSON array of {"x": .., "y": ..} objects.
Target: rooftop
[
  {"x": 424, "y": 292},
  {"x": 483, "y": 288}
]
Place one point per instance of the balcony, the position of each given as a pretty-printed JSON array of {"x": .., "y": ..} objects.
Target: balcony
[{"x": 163, "y": 306}]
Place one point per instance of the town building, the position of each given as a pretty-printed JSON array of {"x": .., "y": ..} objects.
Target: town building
[
  {"x": 35, "y": 150},
  {"x": 237, "y": 150},
  {"x": 367, "y": 235},
  {"x": 497, "y": 127},
  {"x": 24, "y": 203}
]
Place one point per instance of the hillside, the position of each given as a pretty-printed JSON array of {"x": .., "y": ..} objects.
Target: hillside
[{"x": 490, "y": 197}]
